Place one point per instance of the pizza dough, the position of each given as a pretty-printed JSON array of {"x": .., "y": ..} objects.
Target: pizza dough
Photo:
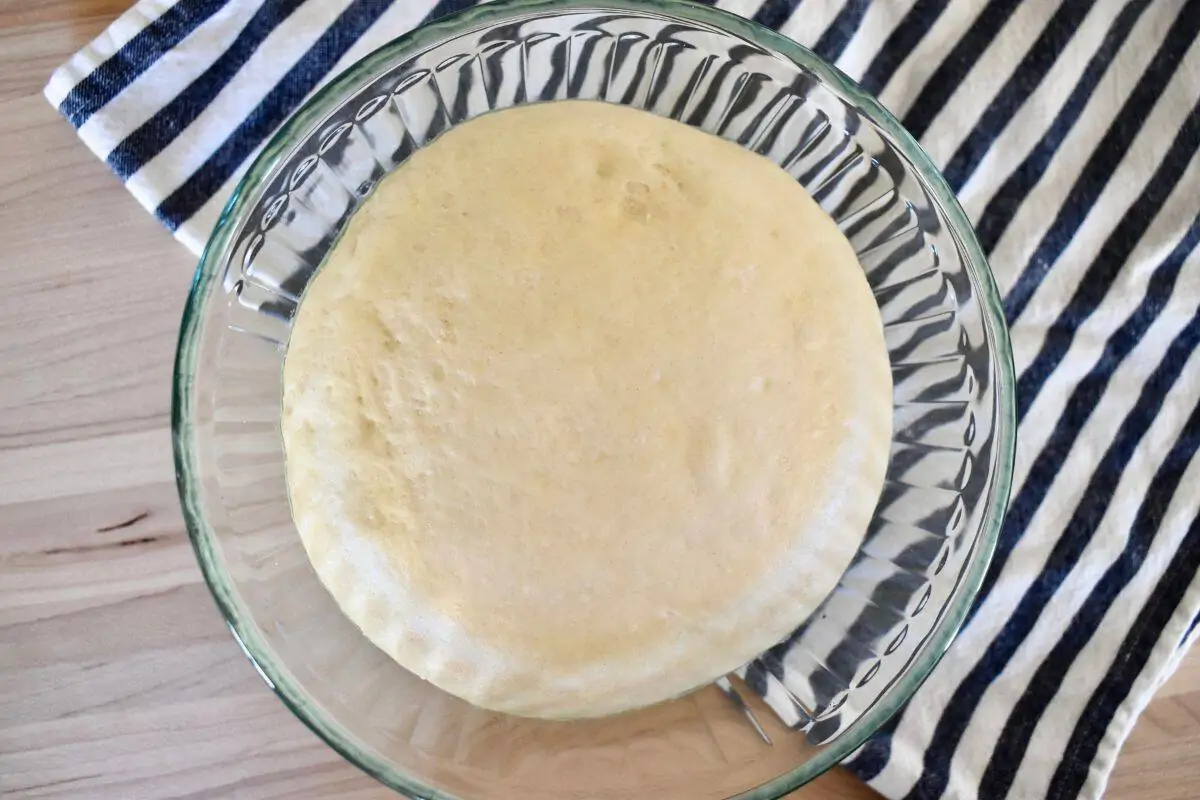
[{"x": 586, "y": 409}]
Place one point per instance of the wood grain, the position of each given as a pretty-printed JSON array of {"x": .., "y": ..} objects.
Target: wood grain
[{"x": 118, "y": 678}]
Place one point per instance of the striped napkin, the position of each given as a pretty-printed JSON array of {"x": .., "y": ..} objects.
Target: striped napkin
[{"x": 1069, "y": 129}]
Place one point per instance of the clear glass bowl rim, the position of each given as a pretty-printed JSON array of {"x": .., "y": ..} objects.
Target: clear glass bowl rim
[{"x": 220, "y": 242}]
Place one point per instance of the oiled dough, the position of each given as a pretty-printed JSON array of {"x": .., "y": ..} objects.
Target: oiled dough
[{"x": 585, "y": 409}]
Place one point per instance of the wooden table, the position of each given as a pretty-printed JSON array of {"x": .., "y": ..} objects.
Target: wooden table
[{"x": 117, "y": 677}]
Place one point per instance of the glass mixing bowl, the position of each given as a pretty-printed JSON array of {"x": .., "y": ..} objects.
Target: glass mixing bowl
[{"x": 813, "y": 698}]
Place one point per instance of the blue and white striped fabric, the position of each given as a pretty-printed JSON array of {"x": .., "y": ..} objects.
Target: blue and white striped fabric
[{"x": 1069, "y": 129}]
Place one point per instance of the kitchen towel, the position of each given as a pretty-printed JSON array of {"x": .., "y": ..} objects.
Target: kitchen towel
[{"x": 1069, "y": 130}]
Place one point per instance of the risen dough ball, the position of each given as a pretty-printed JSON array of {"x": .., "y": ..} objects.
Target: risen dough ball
[{"x": 585, "y": 409}]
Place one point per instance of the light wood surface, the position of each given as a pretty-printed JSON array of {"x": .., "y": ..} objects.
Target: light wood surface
[{"x": 117, "y": 677}]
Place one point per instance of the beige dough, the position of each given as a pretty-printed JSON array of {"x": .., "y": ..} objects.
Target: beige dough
[{"x": 586, "y": 409}]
